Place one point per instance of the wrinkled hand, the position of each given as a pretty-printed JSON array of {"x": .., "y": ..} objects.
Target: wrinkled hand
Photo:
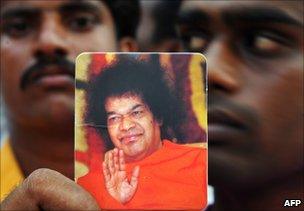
[
  {"x": 45, "y": 189},
  {"x": 114, "y": 171}
]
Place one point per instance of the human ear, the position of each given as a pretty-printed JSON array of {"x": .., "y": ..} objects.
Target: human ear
[{"x": 128, "y": 44}]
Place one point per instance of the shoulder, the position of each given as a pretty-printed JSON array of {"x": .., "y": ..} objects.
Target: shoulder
[
  {"x": 198, "y": 148},
  {"x": 185, "y": 151}
]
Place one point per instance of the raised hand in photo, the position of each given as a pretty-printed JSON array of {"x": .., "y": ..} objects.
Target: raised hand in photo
[{"x": 115, "y": 175}]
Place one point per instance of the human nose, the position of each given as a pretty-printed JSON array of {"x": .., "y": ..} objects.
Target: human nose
[
  {"x": 126, "y": 123},
  {"x": 224, "y": 68},
  {"x": 50, "y": 40}
]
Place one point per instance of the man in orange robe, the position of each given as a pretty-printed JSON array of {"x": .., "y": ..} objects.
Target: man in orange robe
[
  {"x": 173, "y": 177},
  {"x": 143, "y": 171}
]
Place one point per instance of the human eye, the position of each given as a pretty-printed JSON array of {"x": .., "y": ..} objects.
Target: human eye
[
  {"x": 17, "y": 27},
  {"x": 194, "y": 39},
  {"x": 113, "y": 119},
  {"x": 137, "y": 113},
  {"x": 82, "y": 21},
  {"x": 268, "y": 43}
]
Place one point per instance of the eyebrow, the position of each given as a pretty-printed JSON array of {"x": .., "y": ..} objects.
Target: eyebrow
[
  {"x": 70, "y": 6},
  {"x": 259, "y": 15},
  {"x": 19, "y": 11},
  {"x": 193, "y": 17},
  {"x": 73, "y": 6},
  {"x": 132, "y": 109}
]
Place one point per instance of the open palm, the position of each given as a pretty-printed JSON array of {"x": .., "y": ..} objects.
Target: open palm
[{"x": 116, "y": 180}]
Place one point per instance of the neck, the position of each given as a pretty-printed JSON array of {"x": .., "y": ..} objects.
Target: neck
[
  {"x": 269, "y": 197},
  {"x": 43, "y": 148}
]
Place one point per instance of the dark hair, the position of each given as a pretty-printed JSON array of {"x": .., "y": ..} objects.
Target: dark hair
[
  {"x": 144, "y": 79},
  {"x": 165, "y": 15},
  {"x": 126, "y": 14}
]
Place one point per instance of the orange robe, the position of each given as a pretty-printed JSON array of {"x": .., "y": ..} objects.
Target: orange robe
[{"x": 173, "y": 177}]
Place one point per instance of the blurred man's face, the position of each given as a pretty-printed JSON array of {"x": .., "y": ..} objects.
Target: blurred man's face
[
  {"x": 39, "y": 43},
  {"x": 132, "y": 127},
  {"x": 254, "y": 54}
]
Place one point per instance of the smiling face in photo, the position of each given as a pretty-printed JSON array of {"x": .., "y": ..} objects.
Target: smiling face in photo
[{"x": 132, "y": 126}]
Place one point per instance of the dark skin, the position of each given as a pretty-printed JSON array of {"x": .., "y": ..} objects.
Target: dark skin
[
  {"x": 254, "y": 54},
  {"x": 34, "y": 194},
  {"x": 42, "y": 115}
]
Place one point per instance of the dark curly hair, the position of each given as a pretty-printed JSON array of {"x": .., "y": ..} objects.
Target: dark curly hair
[
  {"x": 144, "y": 79},
  {"x": 126, "y": 15}
]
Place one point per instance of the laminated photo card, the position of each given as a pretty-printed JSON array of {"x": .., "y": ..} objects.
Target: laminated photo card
[{"x": 141, "y": 130}]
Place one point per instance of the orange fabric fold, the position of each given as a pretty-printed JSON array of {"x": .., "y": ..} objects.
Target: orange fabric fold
[{"x": 174, "y": 177}]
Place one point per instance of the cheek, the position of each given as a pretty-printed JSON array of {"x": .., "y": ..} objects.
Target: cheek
[
  {"x": 106, "y": 42},
  {"x": 149, "y": 128},
  {"x": 100, "y": 39},
  {"x": 15, "y": 57},
  {"x": 278, "y": 106},
  {"x": 279, "y": 128},
  {"x": 113, "y": 133}
]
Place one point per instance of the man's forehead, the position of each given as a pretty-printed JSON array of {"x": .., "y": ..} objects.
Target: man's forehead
[
  {"x": 215, "y": 9},
  {"x": 124, "y": 97},
  {"x": 123, "y": 103},
  {"x": 8, "y": 5}
]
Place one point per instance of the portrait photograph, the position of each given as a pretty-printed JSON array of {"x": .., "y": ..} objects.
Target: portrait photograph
[{"x": 141, "y": 130}]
